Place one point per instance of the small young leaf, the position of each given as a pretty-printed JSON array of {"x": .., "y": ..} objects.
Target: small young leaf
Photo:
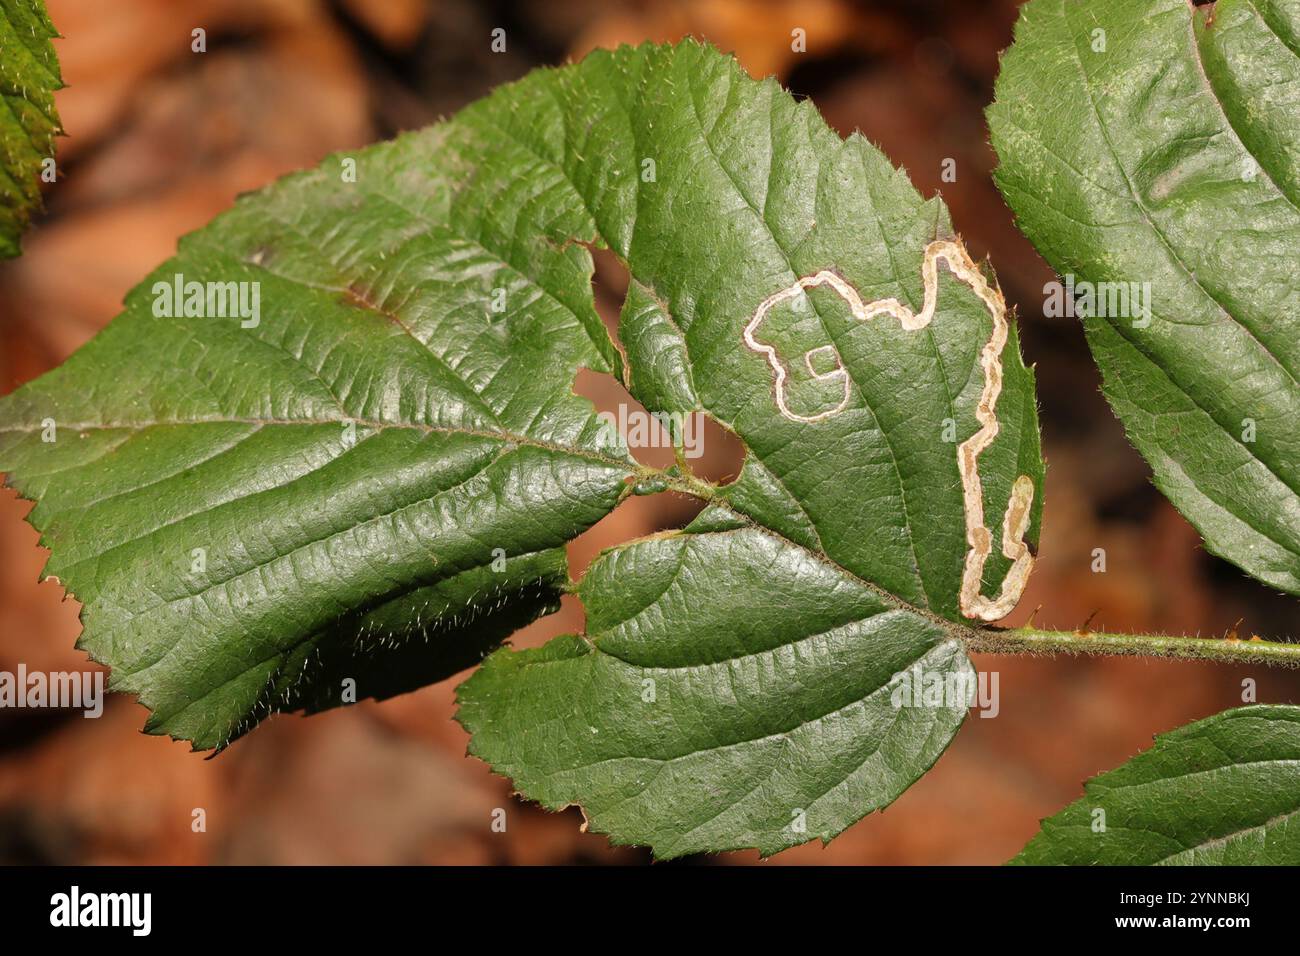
[
  {"x": 1221, "y": 791},
  {"x": 1151, "y": 151},
  {"x": 29, "y": 75}
]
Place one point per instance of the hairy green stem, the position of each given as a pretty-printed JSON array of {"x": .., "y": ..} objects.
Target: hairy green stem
[
  {"x": 681, "y": 480},
  {"x": 1029, "y": 640}
]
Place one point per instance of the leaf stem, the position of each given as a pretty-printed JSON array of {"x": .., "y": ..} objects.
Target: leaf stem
[
  {"x": 681, "y": 479},
  {"x": 1029, "y": 640}
]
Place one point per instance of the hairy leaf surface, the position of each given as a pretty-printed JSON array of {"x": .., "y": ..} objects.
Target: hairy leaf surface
[
  {"x": 29, "y": 75},
  {"x": 1144, "y": 141}
]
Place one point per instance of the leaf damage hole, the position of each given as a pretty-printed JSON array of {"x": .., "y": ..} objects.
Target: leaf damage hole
[
  {"x": 714, "y": 453},
  {"x": 656, "y": 439}
]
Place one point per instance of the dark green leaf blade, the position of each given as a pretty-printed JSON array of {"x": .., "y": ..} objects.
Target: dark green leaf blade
[
  {"x": 29, "y": 75},
  {"x": 1223, "y": 791},
  {"x": 699, "y": 714},
  {"x": 1150, "y": 142},
  {"x": 241, "y": 502}
]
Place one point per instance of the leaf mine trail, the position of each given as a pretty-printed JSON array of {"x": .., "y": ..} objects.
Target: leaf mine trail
[{"x": 979, "y": 538}]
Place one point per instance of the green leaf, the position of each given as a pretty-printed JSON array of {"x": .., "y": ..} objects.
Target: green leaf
[
  {"x": 29, "y": 75},
  {"x": 1222, "y": 791},
  {"x": 736, "y": 684},
  {"x": 372, "y": 479},
  {"x": 699, "y": 713},
  {"x": 1146, "y": 141},
  {"x": 789, "y": 283}
]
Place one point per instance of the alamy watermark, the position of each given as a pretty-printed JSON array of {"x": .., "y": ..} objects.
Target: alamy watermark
[
  {"x": 916, "y": 687},
  {"x": 637, "y": 428},
  {"x": 73, "y": 909},
  {"x": 1098, "y": 300},
  {"x": 215, "y": 300},
  {"x": 75, "y": 690}
]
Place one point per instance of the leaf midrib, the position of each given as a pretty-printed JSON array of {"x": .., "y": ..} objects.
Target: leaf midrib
[
  {"x": 1141, "y": 206},
  {"x": 1226, "y": 838},
  {"x": 954, "y": 629},
  {"x": 794, "y": 275},
  {"x": 509, "y": 441},
  {"x": 1227, "y": 117},
  {"x": 782, "y": 734},
  {"x": 378, "y": 425},
  {"x": 1220, "y": 839}
]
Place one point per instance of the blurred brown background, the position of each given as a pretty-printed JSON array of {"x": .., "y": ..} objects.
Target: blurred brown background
[{"x": 160, "y": 139}]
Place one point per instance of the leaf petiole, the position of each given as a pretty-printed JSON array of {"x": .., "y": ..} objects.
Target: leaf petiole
[{"x": 1027, "y": 640}]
